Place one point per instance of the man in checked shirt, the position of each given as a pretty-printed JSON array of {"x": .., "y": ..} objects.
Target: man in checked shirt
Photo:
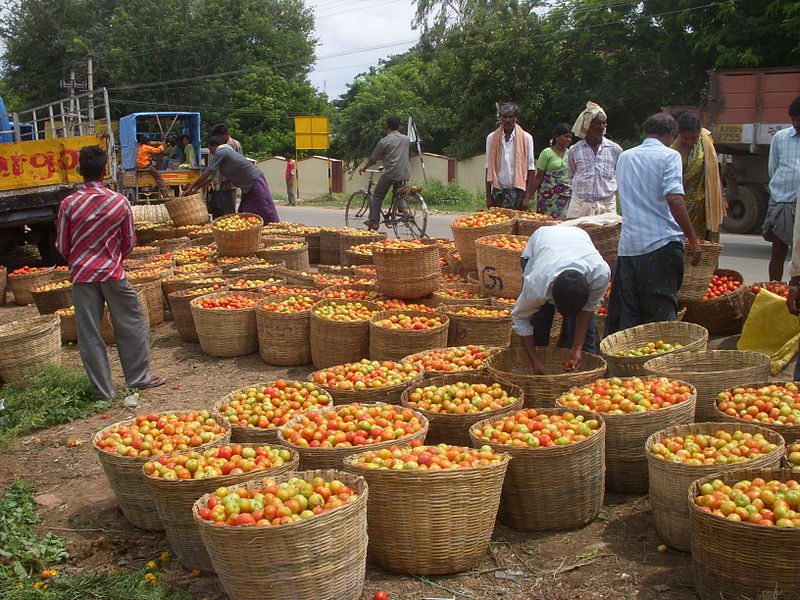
[{"x": 95, "y": 233}]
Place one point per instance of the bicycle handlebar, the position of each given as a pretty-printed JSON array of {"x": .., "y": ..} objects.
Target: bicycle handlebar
[{"x": 373, "y": 170}]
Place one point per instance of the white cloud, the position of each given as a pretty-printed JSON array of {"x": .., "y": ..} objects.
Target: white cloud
[{"x": 354, "y": 34}]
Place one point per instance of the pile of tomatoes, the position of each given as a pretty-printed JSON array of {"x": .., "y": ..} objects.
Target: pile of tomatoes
[
  {"x": 720, "y": 285},
  {"x": 232, "y": 302}
]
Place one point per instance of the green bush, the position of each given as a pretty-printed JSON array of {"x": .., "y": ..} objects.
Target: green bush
[{"x": 437, "y": 193}]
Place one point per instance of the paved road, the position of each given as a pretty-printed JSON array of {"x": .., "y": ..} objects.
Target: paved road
[{"x": 748, "y": 254}]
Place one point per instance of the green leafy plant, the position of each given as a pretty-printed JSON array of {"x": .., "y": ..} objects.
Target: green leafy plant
[
  {"x": 51, "y": 395},
  {"x": 22, "y": 551},
  {"x": 450, "y": 194}
]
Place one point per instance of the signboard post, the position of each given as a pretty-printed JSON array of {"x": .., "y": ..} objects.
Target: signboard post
[{"x": 312, "y": 133}]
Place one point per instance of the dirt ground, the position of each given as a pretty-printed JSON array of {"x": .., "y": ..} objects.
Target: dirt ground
[{"x": 613, "y": 557}]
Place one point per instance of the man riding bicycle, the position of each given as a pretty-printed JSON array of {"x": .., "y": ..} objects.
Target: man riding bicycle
[{"x": 392, "y": 149}]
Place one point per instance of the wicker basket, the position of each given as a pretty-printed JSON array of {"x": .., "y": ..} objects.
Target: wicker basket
[
  {"x": 722, "y": 569},
  {"x": 175, "y": 498},
  {"x": 284, "y": 339},
  {"x": 389, "y": 394},
  {"x": 226, "y": 333},
  {"x": 296, "y": 259},
  {"x": 48, "y": 302},
  {"x": 153, "y": 301},
  {"x": 626, "y": 434},
  {"x": 256, "y": 435},
  {"x": 480, "y": 331},
  {"x": 176, "y": 283},
  {"x": 339, "y": 342},
  {"x": 448, "y": 516},
  {"x": 711, "y": 372},
  {"x": 164, "y": 231},
  {"x": 231, "y": 283},
  {"x": 187, "y": 210},
  {"x": 446, "y": 428},
  {"x": 696, "y": 278},
  {"x": 499, "y": 268},
  {"x": 321, "y": 558},
  {"x": 600, "y": 321},
  {"x": 692, "y": 336},
  {"x": 347, "y": 240},
  {"x": 179, "y": 305},
  {"x": 395, "y": 344},
  {"x": 669, "y": 480},
  {"x": 605, "y": 239},
  {"x": 723, "y": 315},
  {"x": 142, "y": 252},
  {"x": 339, "y": 270},
  {"x": 127, "y": 480},
  {"x": 407, "y": 273},
  {"x": 356, "y": 259},
  {"x": 465, "y": 240},
  {"x": 429, "y": 373},
  {"x": 69, "y": 328},
  {"x": 527, "y": 227},
  {"x": 329, "y": 247},
  {"x": 789, "y": 432},
  {"x": 21, "y": 285},
  {"x": 440, "y": 298},
  {"x": 552, "y": 489},
  {"x": 28, "y": 343},
  {"x": 328, "y": 458},
  {"x": 238, "y": 243},
  {"x": 145, "y": 235},
  {"x": 329, "y": 292},
  {"x": 172, "y": 244},
  {"x": 512, "y": 365}
]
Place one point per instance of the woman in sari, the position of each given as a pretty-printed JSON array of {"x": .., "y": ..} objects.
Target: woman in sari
[
  {"x": 552, "y": 179},
  {"x": 702, "y": 185}
]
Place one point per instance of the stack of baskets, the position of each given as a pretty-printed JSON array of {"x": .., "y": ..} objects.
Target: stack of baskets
[
  {"x": 499, "y": 269},
  {"x": 328, "y": 246},
  {"x": 605, "y": 238},
  {"x": 27, "y": 344},
  {"x": 295, "y": 255},
  {"x": 407, "y": 273},
  {"x": 187, "y": 210},
  {"x": 724, "y": 314},
  {"x": 465, "y": 239},
  {"x": 355, "y": 237}
]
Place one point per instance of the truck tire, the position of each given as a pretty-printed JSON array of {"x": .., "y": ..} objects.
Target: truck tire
[{"x": 746, "y": 211}]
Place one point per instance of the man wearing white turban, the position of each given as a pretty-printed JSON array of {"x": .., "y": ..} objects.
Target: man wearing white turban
[{"x": 592, "y": 165}]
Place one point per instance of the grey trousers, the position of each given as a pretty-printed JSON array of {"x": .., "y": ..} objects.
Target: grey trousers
[{"x": 130, "y": 332}]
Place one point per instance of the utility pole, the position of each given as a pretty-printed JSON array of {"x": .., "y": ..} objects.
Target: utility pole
[
  {"x": 90, "y": 85},
  {"x": 71, "y": 85}
]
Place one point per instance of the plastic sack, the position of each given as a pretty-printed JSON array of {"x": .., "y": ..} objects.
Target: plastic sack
[{"x": 770, "y": 328}]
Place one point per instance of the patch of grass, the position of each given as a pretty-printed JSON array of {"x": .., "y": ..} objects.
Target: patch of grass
[
  {"x": 51, "y": 395},
  {"x": 22, "y": 552},
  {"x": 451, "y": 196}
]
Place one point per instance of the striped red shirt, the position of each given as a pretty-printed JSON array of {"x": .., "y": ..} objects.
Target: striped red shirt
[{"x": 95, "y": 233}]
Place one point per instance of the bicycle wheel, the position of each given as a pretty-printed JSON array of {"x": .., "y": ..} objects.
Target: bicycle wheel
[
  {"x": 357, "y": 209},
  {"x": 411, "y": 217}
]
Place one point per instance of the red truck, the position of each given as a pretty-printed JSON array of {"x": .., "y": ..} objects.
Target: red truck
[{"x": 745, "y": 109}]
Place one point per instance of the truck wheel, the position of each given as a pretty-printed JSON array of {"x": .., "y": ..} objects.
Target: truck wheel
[{"x": 745, "y": 212}]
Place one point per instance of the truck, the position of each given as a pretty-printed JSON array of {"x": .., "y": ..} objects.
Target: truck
[
  {"x": 38, "y": 165},
  {"x": 746, "y": 107}
]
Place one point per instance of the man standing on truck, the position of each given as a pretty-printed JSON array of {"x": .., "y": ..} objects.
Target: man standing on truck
[
  {"x": 144, "y": 162},
  {"x": 784, "y": 179},
  {"x": 592, "y": 165},
  {"x": 243, "y": 173},
  {"x": 95, "y": 234}
]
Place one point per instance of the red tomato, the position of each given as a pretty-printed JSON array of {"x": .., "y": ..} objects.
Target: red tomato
[{"x": 381, "y": 595}]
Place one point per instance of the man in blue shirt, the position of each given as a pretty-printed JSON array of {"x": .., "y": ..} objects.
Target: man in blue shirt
[
  {"x": 655, "y": 223},
  {"x": 784, "y": 178}
]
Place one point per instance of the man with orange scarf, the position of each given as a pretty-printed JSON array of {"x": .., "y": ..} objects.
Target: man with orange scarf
[{"x": 510, "y": 165}]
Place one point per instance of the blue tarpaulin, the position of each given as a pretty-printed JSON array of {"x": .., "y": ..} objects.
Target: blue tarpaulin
[{"x": 131, "y": 126}]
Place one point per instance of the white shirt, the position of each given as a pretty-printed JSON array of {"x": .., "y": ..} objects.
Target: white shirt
[
  {"x": 505, "y": 174},
  {"x": 794, "y": 268},
  {"x": 551, "y": 251},
  {"x": 591, "y": 175},
  {"x": 646, "y": 175},
  {"x": 784, "y": 165}
]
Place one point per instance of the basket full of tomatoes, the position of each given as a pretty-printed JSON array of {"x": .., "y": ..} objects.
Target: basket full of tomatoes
[
  {"x": 21, "y": 281},
  {"x": 771, "y": 404},
  {"x": 226, "y": 322},
  {"x": 394, "y": 334},
  {"x": 238, "y": 234},
  {"x": 721, "y": 309}
]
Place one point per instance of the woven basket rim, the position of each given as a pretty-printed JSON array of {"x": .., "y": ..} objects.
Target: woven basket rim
[
  {"x": 350, "y": 460},
  {"x": 602, "y": 363},
  {"x": 242, "y": 214},
  {"x": 607, "y": 349},
  {"x": 691, "y": 356},
  {"x": 36, "y": 290},
  {"x": 789, "y": 428},
  {"x": 509, "y": 251},
  {"x": 42, "y": 271},
  {"x": 252, "y": 295},
  {"x": 24, "y": 328},
  {"x": 326, "y": 301},
  {"x": 385, "y": 314},
  {"x": 453, "y": 310},
  {"x": 398, "y": 251},
  {"x": 511, "y": 219},
  {"x": 389, "y": 388}
]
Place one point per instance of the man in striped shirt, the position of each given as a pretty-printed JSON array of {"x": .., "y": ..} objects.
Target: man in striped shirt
[{"x": 95, "y": 233}]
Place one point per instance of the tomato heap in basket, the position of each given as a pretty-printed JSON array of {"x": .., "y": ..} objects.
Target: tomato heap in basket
[
  {"x": 290, "y": 289},
  {"x": 719, "y": 285},
  {"x": 405, "y": 321},
  {"x": 770, "y": 503},
  {"x": 772, "y": 404},
  {"x": 793, "y": 456},
  {"x": 398, "y": 304},
  {"x": 237, "y": 222},
  {"x": 453, "y": 277},
  {"x": 344, "y": 311},
  {"x": 144, "y": 248},
  {"x": 199, "y": 291},
  {"x": 275, "y": 503},
  {"x": 286, "y": 246},
  {"x": 649, "y": 348},
  {"x": 366, "y": 270},
  {"x": 179, "y": 276},
  {"x": 292, "y": 304},
  {"x": 232, "y": 260},
  {"x": 149, "y": 272},
  {"x": 232, "y": 302},
  {"x": 454, "y": 358},
  {"x": 155, "y": 434},
  {"x": 781, "y": 289},
  {"x": 207, "y": 280},
  {"x": 506, "y": 243},
  {"x": 273, "y": 405},
  {"x": 361, "y": 249},
  {"x": 533, "y": 216},
  {"x": 197, "y": 267},
  {"x": 251, "y": 284},
  {"x": 352, "y": 425},
  {"x": 51, "y": 287},
  {"x": 460, "y": 398},
  {"x": 366, "y": 374},
  {"x": 481, "y": 219},
  {"x": 351, "y": 294},
  {"x": 457, "y": 294},
  {"x": 398, "y": 244},
  {"x": 618, "y": 396},
  {"x": 531, "y": 429},
  {"x": 26, "y": 270},
  {"x": 482, "y": 311},
  {"x": 194, "y": 254},
  {"x": 333, "y": 279},
  {"x": 215, "y": 462},
  {"x": 428, "y": 458},
  {"x": 719, "y": 448}
]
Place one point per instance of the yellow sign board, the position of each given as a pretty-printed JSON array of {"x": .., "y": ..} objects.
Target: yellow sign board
[
  {"x": 42, "y": 162},
  {"x": 311, "y": 133},
  {"x": 727, "y": 134}
]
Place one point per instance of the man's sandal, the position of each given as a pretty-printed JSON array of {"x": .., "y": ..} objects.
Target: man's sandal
[{"x": 153, "y": 382}]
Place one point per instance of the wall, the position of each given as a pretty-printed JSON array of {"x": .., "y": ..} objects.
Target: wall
[
  {"x": 471, "y": 174},
  {"x": 312, "y": 175}
]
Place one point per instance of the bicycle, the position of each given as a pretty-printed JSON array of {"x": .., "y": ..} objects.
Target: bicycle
[{"x": 407, "y": 214}]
